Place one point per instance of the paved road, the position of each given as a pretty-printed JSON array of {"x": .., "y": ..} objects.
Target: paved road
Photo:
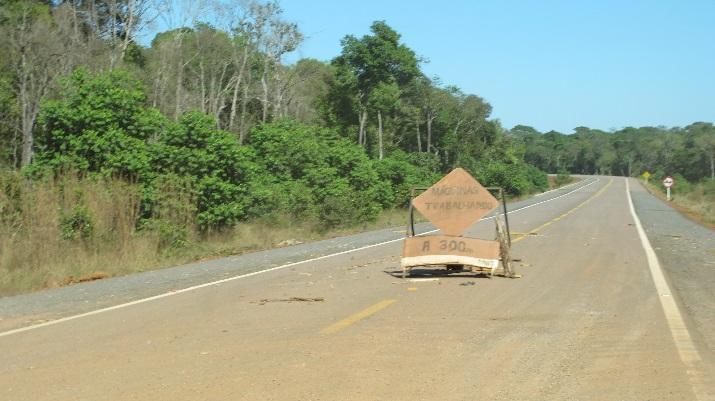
[{"x": 589, "y": 320}]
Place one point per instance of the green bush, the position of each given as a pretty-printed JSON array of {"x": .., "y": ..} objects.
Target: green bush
[
  {"x": 327, "y": 177},
  {"x": 170, "y": 236},
  {"x": 562, "y": 178},
  {"x": 681, "y": 185},
  {"x": 708, "y": 187},
  {"x": 76, "y": 224},
  {"x": 99, "y": 123},
  {"x": 218, "y": 167},
  {"x": 538, "y": 179},
  {"x": 511, "y": 177},
  {"x": 287, "y": 149},
  {"x": 399, "y": 175}
]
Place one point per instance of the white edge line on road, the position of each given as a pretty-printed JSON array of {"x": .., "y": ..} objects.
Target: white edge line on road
[
  {"x": 241, "y": 276},
  {"x": 683, "y": 342},
  {"x": 556, "y": 189}
]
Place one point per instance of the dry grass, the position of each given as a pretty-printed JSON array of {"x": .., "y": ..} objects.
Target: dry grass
[
  {"x": 695, "y": 201},
  {"x": 277, "y": 232},
  {"x": 37, "y": 251},
  {"x": 553, "y": 184}
]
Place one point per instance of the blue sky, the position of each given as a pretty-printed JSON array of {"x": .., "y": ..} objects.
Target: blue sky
[{"x": 548, "y": 64}]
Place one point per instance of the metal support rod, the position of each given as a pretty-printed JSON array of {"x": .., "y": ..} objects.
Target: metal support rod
[
  {"x": 502, "y": 197},
  {"x": 410, "y": 231},
  {"x": 506, "y": 215}
]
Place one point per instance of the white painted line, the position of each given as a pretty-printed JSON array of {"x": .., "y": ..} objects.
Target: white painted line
[
  {"x": 556, "y": 189},
  {"x": 548, "y": 200},
  {"x": 683, "y": 342},
  {"x": 241, "y": 276}
]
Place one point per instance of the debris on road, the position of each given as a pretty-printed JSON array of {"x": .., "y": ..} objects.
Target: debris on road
[
  {"x": 289, "y": 242},
  {"x": 288, "y": 300}
]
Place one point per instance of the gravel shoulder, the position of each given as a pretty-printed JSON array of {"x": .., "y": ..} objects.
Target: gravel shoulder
[{"x": 686, "y": 251}]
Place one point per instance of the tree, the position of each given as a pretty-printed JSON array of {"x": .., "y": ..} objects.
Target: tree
[
  {"x": 383, "y": 99},
  {"x": 705, "y": 141},
  {"x": 371, "y": 62},
  {"x": 100, "y": 123},
  {"x": 274, "y": 37}
]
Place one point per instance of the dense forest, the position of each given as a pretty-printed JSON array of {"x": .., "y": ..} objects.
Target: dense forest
[
  {"x": 688, "y": 152},
  {"x": 210, "y": 109}
]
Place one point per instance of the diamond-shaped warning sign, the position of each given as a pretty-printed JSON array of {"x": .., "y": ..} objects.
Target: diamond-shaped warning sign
[{"x": 455, "y": 202}]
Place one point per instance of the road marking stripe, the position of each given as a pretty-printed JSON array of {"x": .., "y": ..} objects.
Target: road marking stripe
[
  {"x": 556, "y": 189},
  {"x": 367, "y": 312},
  {"x": 246, "y": 275},
  {"x": 683, "y": 342},
  {"x": 554, "y": 220}
]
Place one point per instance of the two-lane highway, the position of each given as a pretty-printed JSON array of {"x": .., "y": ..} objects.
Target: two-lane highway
[{"x": 589, "y": 320}]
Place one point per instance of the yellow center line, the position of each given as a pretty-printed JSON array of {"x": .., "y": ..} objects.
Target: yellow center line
[
  {"x": 548, "y": 223},
  {"x": 367, "y": 312}
]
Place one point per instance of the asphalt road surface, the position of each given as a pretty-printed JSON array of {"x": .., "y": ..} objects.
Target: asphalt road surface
[{"x": 596, "y": 316}]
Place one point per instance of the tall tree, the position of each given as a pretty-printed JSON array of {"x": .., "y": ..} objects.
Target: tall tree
[
  {"x": 371, "y": 62},
  {"x": 38, "y": 52}
]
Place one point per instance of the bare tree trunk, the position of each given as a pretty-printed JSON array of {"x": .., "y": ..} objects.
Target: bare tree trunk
[
  {"x": 278, "y": 103},
  {"x": 178, "y": 94},
  {"x": 159, "y": 82},
  {"x": 202, "y": 79},
  {"x": 237, "y": 84},
  {"x": 455, "y": 156},
  {"x": 264, "y": 85},
  {"x": 26, "y": 126},
  {"x": 27, "y": 138},
  {"x": 419, "y": 137},
  {"x": 429, "y": 132},
  {"x": 362, "y": 140},
  {"x": 112, "y": 32},
  {"x": 129, "y": 28},
  {"x": 712, "y": 166},
  {"x": 264, "y": 100},
  {"x": 234, "y": 104},
  {"x": 379, "y": 133},
  {"x": 242, "y": 122}
]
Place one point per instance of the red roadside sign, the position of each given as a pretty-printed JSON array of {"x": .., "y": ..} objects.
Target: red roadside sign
[{"x": 668, "y": 182}]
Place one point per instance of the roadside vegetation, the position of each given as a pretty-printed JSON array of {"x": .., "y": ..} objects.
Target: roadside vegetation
[
  {"x": 55, "y": 232},
  {"x": 695, "y": 200},
  {"x": 118, "y": 157},
  {"x": 687, "y": 154}
]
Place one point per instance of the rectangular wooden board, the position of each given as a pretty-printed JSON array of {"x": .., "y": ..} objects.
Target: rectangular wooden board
[{"x": 443, "y": 249}]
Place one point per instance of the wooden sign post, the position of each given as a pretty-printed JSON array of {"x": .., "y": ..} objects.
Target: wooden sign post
[
  {"x": 453, "y": 204},
  {"x": 668, "y": 183}
]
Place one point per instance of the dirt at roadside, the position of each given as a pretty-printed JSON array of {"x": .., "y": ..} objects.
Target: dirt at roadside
[
  {"x": 684, "y": 210},
  {"x": 686, "y": 250}
]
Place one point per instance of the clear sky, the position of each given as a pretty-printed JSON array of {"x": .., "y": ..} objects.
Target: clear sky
[{"x": 549, "y": 64}]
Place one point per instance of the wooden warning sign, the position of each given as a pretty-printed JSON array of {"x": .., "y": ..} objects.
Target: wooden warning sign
[
  {"x": 455, "y": 202},
  {"x": 446, "y": 250}
]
